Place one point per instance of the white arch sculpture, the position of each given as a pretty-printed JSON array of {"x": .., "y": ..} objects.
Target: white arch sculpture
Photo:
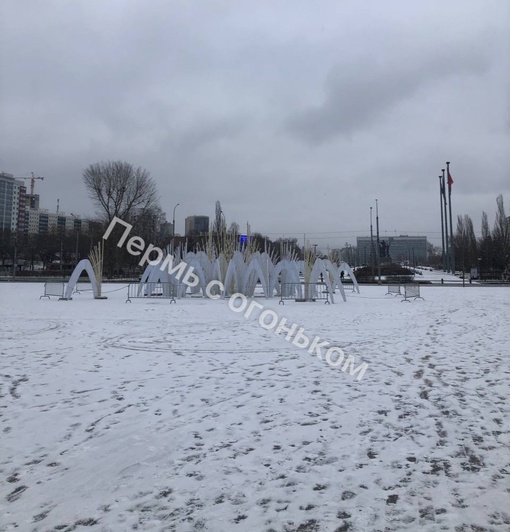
[
  {"x": 207, "y": 265},
  {"x": 253, "y": 274},
  {"x": 221, "y": 265},
  {"x": 238, "y": 275},
  {"x": 83, "y": 265},
  {"x": 318, "y": 268},
  {"x": 267, "y": 267},
  {"x": 198, "y": 270},
  {"x": 334, "y": 273},
  {"x": 235, "y": 273},
  {"x": 288, "y": 272},
  {"x": 344, "y": 266},
  {"x": 153, "y": 274}
]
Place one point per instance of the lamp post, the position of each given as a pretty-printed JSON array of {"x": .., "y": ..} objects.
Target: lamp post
[
  {"x": 173, "y": 223},
  {"x": 443, "y": 255},
  {"x": 378, "y": 254},
  {"x": 446, "y": 239},
  {"x": 372, "y": 246},
  {"x": 452, "y": 246},
  {"x": 15, "y": 257},
  {"x": 348, "y": 253},
  {"x": 223, "y": 232},
  {"x": 77, "y": 240}
]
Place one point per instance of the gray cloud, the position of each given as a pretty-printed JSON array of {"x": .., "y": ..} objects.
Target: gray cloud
[
  {"x": 296, "y": 115},
  {"x": 360, "y": 94}
]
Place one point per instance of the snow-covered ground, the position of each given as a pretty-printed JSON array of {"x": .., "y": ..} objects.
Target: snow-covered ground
[
  {"x": 151, "y": 416},
  {"x": 436, "y": 276}
]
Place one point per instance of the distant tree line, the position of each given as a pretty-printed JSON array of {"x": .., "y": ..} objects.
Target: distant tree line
[
  {"x": 55, "y": 253},
  {"x": 490, "y": 253},
  {"x": 47, "y": 250},
  {"x": 118, "y": 189}
]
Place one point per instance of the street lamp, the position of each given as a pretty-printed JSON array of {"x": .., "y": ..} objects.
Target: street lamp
[
  {"x": 77, "y": 239},
  {"x": 378, "y": 255},
  {"x": 349, "y": 254},
  {"x": 15, "y": 257},
  {"x": 173, "y": 223}
]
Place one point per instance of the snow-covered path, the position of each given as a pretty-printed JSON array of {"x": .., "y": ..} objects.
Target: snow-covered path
[{"x": 150, "y": 416}]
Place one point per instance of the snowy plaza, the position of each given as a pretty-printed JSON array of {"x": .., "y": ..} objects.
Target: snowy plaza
[{"x": 188, "y": 416}]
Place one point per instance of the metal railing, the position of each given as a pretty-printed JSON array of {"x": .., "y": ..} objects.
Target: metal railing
[
  {"x": 412, "y": 291},
  {"x": 54, "y": 289},
  {"x": 151, "y": 290},
  {"x": 304, "y": 292},
  {"x": 394, "y": 290},
  {"x": 82, "y": 287}
]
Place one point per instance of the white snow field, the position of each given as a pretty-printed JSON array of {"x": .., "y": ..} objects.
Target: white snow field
[{"x": 151, "y": 416}]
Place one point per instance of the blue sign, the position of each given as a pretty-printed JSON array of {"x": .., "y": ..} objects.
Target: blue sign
[{"x": 243, "y": 239}]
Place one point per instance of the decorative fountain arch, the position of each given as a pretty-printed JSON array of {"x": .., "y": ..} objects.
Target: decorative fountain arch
[
  {"x": 82, "y": 266},
  {"x": 93, "y": 266},
  {"x": 287, "y": 277}
]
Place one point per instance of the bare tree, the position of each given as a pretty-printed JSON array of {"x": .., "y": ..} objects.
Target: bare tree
[
  {"x": 485, "y": 246},
  {"x": 472, "y": 244},
  {"x": 220, "y": 225},
  {"x": 466, "y": 249},
  {"x": 500, "y": 236},
  {"x": 495, "y": 246},
  {"x": 234, "y": 229},
  {"x": 486, "y": 232},
  {"x": 119, "y": 189}
]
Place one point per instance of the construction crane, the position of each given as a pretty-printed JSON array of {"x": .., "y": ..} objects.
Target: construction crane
[{"x": 32, "y": 182}]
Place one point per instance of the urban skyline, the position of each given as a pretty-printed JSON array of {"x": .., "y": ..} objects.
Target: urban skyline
[{"x": 31, "y": 219}]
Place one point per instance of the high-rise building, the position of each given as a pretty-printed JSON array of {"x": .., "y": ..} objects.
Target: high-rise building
[
  {"x": 32, "y": 201},
  {"x": 19, "y": 211},
  {"x": 12, "y": 194},
  {"x": 22, "y": 209},
  {"x": 43, "y": 221},
  {"x": 196, "y": 225}
]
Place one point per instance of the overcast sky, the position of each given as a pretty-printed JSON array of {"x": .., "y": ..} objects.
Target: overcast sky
[{"x": 295, "y": 114}]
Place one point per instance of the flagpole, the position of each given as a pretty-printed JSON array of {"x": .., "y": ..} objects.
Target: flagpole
[
  {"x": 442, "y": 224},
  {"x": 378, "y": 246},
  {"x": 372, "y": 246},
  {"x": 452, "y": 247},
  {"x": 446, "y": 240}
]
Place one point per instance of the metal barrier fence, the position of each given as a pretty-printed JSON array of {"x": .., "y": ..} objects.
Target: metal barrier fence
[
  {"x": 394, "y": 290},
  {"x": 82, "y": 287},
  {"x": 302, "y": 292},
  {"x": 412, "y": 291},
  {"x": 151, "y": 290},
  {"x": 54, "y": 289}
]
